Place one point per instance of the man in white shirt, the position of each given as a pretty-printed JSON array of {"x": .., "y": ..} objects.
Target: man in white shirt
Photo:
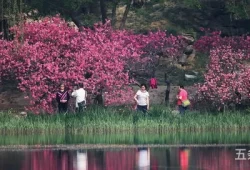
[{"x": 80, "y": 94}]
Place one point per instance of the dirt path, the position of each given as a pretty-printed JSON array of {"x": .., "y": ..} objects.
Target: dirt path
[
  {"x": 14, "y": 99},
  {"x": 157, "y": 96}
]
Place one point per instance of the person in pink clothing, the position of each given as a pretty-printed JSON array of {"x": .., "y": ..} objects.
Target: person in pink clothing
[
  {"x": 182, "y": 96},
  {"x": 153, "y": 83}
]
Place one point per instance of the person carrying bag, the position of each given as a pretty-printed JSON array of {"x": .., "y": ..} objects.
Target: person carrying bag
[{"x": 183, "y": 101}]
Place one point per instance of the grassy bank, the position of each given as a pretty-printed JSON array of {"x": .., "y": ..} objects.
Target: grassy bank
[{"x": 97, "y": 120}]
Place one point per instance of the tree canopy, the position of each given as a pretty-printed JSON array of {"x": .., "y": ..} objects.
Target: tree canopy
[{"x": 47, "y": 52}]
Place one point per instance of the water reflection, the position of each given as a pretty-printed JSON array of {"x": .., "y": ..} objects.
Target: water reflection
[
  {"x": 172, "y": 158},
  {"x": 143, "y": 156},
  {"x": 184, "y": 158},
  {"x": 81, "y": 160}
]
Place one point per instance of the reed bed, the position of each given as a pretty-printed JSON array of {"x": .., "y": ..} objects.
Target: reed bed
[{"x": 115, "y": 120}]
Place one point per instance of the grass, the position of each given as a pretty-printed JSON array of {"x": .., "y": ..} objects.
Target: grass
[
  {"x": 120, "y": 125},
  {"x": 111, "y": 120}
]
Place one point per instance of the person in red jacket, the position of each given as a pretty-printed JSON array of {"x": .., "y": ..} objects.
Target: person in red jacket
[{"x": 153, "y": 83}]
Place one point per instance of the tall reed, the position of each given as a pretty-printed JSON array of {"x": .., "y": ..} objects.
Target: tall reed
[{"x": 100, "y": 120}]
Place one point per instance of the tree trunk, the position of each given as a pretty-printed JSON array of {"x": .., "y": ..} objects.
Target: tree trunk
[
  {"x": 113, "y": 18},
  {"x": 4, "y": 29},
  {"x": 103, "y": 11},
  {"x": 125, "y": 15}
]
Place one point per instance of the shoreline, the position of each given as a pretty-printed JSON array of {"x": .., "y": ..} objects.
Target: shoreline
[{"x": 101, "y": 146}]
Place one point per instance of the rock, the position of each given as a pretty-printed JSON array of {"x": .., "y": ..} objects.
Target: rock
[
  {"x": 23, "y": 114},
  {"x": 189, "y": 76},
  {"x": 191, "y": 57},
  {"x": 157, "y": 6},
  {"x": 188, "y": 50},
  {"x": 195, "y": 72},
  {"x": 188, "y": 37},
  {"x": 183, "y": 59}
]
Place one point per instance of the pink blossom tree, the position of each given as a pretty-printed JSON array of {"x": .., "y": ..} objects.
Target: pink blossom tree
[
  {"x": 226, "y": 76},
  {"x": 48, "y": 52}
]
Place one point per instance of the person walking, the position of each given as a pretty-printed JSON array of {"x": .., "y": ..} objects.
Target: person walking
[
  {"x": 80, "y": 94},
  {"x": 142, "y": 99},
  {"x": 182, "y": 100},
  {"x": 62, "y": 98}
]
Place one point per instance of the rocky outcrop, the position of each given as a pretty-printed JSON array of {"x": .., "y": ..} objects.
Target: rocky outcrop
[{"x": 189, "y": 50}]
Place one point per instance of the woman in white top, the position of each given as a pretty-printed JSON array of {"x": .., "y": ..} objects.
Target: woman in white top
[{"x": 142, "y": 99}]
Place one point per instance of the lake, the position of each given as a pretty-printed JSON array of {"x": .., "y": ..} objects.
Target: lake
[
  {"x": 151, "y": 151},
  {"x": 126, "y": 158}
]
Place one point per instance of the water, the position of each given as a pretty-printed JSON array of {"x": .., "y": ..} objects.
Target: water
[
  {"x": 118, "y": 158},
  {"x": 152, "y": 151}
]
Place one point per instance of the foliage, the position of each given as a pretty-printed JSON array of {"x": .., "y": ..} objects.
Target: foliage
[
  {"x": 193, "y": 3},
  {"x": 54, "y": 6},
  {"x": 226, "y": 79},
  {"x": 48, "y": 52},
  {"x": 238, "y": 8},
  {"x": 119, "y": 120}
]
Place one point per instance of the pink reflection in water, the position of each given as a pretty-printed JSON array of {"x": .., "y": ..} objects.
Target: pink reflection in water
[
  {"x": 223, "y": 159},
  {"x": 201, "y": 158},
  {"x": 48, "y": 160},
  {"x": 120, "y": 160}
]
